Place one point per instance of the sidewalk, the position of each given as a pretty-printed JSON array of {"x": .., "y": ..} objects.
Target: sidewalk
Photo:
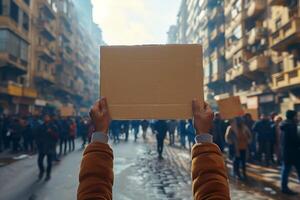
[{"x": 261, "y": 179}]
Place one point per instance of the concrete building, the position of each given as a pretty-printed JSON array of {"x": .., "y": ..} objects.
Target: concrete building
[
  {"x": 251, "y": 50},
  {"x": 47, "y": 58},
  {"x": 172, "y": 35}
]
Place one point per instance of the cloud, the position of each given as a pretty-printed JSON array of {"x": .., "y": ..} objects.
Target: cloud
[{"x": 126, "y": 22}]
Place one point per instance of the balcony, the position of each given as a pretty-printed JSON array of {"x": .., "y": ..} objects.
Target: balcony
[
  {"x": 7, "y": 23},
  {"x": 240, "y": 44},
  {"x": 286, "y": 36},
  {"x": 287, "y": 79},
  {"x": 12, "y": 64},
  {"x": 277, "y": 2},
  {"x": 256, "y": 7},
  {"x": 46, "y": 54},
  {"x": 14, "y": 89},
  {"x": 236, "y": 73},
  {"x": 47, "y": 7},
  {"x": 256, "y": 34},
  {"x": 258, "y": 63},
  {"x": 44, "y": 76},
  {"x": 30, "y": 92},
  {"x": 46, "y": 30}
]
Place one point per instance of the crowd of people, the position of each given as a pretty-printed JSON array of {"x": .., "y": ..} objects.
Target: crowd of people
[
  {"x": 49, "y": 136},
  {"x": 267, "y": 141}
]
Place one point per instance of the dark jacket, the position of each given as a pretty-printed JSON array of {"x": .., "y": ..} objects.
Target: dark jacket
[
  {"x": 218, "y": 132},
  {"x": 263, "y": 130},
  {"x": 290, "y": 142},
  {"x": 161, "y": 126},
  {"x": 47, "y": 138}
]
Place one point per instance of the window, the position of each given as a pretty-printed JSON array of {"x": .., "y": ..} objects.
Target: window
[
  {"x": 206, "y": 71},
  {"x": 27, "y": 2},
  {"x": 1, "y": 7},
  {"x": 14, "y": 45},
  {"x": 237, "y": 33},
  {"x": 25, "y": 21},
  {"x": 14, "y": 11}
]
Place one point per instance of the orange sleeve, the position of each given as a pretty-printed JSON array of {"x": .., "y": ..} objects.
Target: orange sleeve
[
  {"x": 209, "y": 175},
  {"x": 96, "y": 173}
]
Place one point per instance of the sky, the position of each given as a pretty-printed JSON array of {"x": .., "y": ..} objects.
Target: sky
[{"x": 129, "y": 22}]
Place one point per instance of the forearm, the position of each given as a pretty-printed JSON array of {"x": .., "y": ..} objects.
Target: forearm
[
  {"x": 209, "y": 175},
  {"x": 96, "y": 172}
]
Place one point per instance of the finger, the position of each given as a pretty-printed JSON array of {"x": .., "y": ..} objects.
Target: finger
[{"x": 104, "y": 107}]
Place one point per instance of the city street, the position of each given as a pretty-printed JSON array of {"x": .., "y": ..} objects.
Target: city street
[{"x": 138, "y": 174}]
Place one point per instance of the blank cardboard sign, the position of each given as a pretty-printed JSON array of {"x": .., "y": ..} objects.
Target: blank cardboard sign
[
  {"x": 230, "y": 107},
  {"x": 151, "y": 81}
]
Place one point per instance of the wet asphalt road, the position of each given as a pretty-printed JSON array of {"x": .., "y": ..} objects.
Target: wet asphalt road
[{"x": 139, "y": 174}]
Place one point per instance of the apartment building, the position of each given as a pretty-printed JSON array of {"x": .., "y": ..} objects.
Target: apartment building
[
  {"x": 284, "y": 38},
  {"x": 16, "y": 93},
  {"x": 47, "y": 58}
]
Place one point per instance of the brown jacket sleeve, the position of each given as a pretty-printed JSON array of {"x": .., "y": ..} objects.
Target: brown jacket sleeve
[
  {"x": 209, "y": 175},
  {"x": 96, "y": 173}
]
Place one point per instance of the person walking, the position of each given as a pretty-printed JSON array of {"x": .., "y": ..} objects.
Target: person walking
[
  {"x": 72, "y": 134},
  {"x": 249, "y": 122},
  {"x": 46, "y": 142},
  {"x": 63, "y": 136},
  {"x": 290, "y": 148},
  {"x": 115, "y": 128},
  {"x": 182, "y": 132},
  {"x": 239, "y": 136},
  {"x": 145, "y": 125},
  {"x": 172, "y": 125},
  {"x": 135, "y": 125},
  {"x": 263, "y": 131},
  {"x": 277, "y": 135},
  {"x": 161, "y": 128},
  {"x": 218, "y": 131},
  {"x": 16, "y": 135},
  {"x": 84, "y": 129}
]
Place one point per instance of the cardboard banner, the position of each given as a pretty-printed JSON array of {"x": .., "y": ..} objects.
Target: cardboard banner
[
  {"x": 230, "y": 107},
  {"x": 151, "y": 81},
  {"x": 253, "y": 113},
  {"x": 67, "y": 111}
]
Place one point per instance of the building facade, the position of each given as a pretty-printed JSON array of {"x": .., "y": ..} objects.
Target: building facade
[
  {"x": 55, "y": 61},
  {"x": 251, "y": 50}
]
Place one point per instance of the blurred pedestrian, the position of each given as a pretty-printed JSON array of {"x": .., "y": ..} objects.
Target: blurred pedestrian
[
  {"x": 290, "y": 147},
  {"x": 126, "y": 129},
  {"x": 277, "y": 133},
  {"x": 27, "y": 134},
  {"x": 239, "y": 136},
  {"x": 249, "y": 122},
  {"x": 172, "y": 125},
  {"x": 2, "y": 132},
  {"x": 135, "y": 125},
  {"x": 16, "y": 134},
  {"x": 115, "y": 128},
  {"x": 218, "y": 131},
  {"x": 263, "y": 131},
  {"x": 72, "y": 134},
  {"x": 161, "y": 128},
  {"x": 145, "y": 125},
  {"x": 182, "y": 132},
  {"x": 84, "y": 130},
  {"x": 190, "y": 133},
  {"x": 46, "y": 142},
  {"x": 63, "y": 136}
]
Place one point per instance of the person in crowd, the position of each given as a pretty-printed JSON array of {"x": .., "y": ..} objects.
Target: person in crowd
[
  {"x": 115, "y": 128},
  {"x": 263, "y": 131},
  {"x": 290, "y": 148},
  {"x": 182, "y": 132},
  {"x": 172, "y": 126},
  {"x": 277, "y": 134},
  {"x": 27, "y": 134},
  {"x": 249, "y": 122},
  {"x": 2, "y": 132},
  {"x": 161, "y": 128},
  {"x": 135, "y": 125},
  {"x": 46, "y": 143},
  {"x": 239, "y": 136},
  {"x": 145, "y": 125},
  {"x": 72, "y": 134},
  {"x": 16, "y": 134},
  {"x": 125, "y": 124},
  {"x": 273, "y": 137},
  {"x": 218, "y": 131},
  {"x": 63, "y": 136},
  {"x": 83, "y": 129},
  {"x": 96, "y": 175},
  {"x": 190, "y": 133}
]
